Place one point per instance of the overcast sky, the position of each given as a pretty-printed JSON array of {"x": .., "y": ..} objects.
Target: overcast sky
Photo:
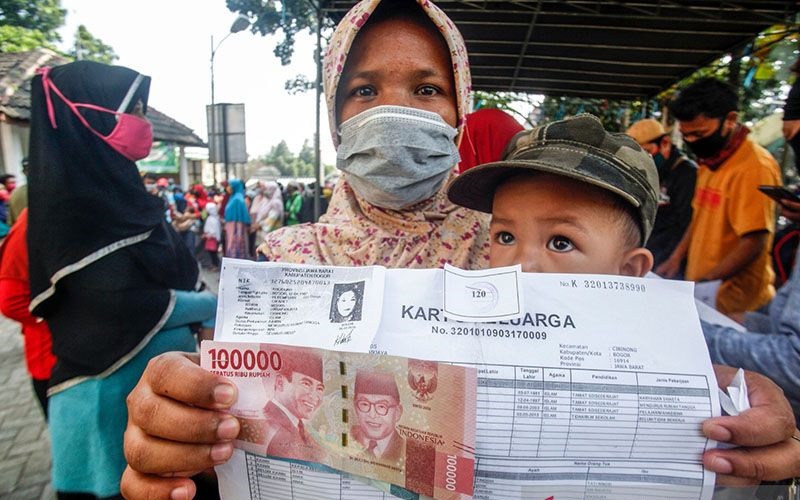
[{"x": 169, "y": 40}]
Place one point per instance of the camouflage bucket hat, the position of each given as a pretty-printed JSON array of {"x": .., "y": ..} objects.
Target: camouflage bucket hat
[{"x": 578, "y": 147}]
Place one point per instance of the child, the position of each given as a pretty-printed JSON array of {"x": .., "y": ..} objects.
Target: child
[
  {"x": 568, "y": 198},
  {"x": 212, "y": 231}
]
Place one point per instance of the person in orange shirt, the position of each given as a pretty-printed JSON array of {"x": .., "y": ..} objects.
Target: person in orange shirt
[
  {"x": 15, "y": 297},
  {"x": 733, "y": 223}
]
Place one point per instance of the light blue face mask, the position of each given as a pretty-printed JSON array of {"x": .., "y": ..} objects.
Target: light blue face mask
[{"x": 395, "y": 157}]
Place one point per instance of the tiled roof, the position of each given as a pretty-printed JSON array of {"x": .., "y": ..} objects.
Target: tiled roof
[
  {"x": 170, "y": 130},
  {"x": 17, "y": 69}
]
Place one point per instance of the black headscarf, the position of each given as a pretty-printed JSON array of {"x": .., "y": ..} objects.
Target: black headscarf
[{"x": 102, "y": 257}]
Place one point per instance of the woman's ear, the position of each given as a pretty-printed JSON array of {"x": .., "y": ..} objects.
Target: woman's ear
[{"x": 636, "y": 263}]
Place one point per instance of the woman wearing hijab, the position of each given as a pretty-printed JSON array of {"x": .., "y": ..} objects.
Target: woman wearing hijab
[
  {"x": 397, "y": 86},
  {"x": 396, "y": 135},
  {"x": 294, "y": 203},
  {"x": 237, "y": 222},
  {"x": 212, "y": 233},
  {"x": 266, "y": 210},
  {"x": 223, "y": 196},
  {"x": 184, "y": 219},
  {"x": 111, "y": 277},
  {"x": 416, "y": 90},
  {"x": 200, "y": 196},
  {"x": 256, "y": 204}
]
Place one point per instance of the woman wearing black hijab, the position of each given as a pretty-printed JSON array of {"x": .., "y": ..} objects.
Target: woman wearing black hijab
[{"x": 111, "y": 277}]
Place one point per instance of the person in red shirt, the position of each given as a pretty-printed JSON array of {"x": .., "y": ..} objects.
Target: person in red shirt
[
  {"x": 487, "y": 132},
  {"x": 15, "y": 297}
]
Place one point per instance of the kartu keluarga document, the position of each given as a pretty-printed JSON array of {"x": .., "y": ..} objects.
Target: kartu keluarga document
[
  {"x": 597, "y": 388},
  {"x": 311, "y": 306}
]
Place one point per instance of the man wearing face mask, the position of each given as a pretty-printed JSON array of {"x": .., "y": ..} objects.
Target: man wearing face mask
[
  {"x": 733, "y": 223},
  {"x": 677, "y": 175}
]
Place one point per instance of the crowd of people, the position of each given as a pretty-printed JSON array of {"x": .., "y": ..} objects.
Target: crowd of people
[
  {"x": 101, "y": 268},
  {"x": 231, "y": 220}
]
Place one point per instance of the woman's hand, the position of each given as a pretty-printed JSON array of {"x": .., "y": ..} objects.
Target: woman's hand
[
  {"x": 767, "y": 452},
  {"x": 177, "y": 427}
]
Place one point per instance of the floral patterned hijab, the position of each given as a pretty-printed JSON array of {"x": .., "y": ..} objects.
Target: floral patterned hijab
[
  {"x": 354, "y": 233},
  {"x": 346, "y": 32}
]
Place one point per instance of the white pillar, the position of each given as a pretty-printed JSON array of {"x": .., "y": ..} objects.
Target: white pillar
[
  {"x": 10, "y": 149},
  {"x": 183, "y": 168}
]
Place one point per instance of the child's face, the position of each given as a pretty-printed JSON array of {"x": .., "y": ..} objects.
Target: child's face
[{"x": 553, "y": 224}]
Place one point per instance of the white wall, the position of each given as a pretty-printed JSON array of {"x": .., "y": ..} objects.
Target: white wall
[
  {"x": 183, "y": 168},
  {"x": 14, "y": 147}
]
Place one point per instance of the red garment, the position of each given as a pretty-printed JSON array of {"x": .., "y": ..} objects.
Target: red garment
[
  {"x": 200, "y": 196},
  {"x": 15, "y": 297},
  {"x": 224, "y": 201},
  {"x": 736, "y": 139},
  {"x": 211, "y": 244},
  {"x": 487, "y": 132}
]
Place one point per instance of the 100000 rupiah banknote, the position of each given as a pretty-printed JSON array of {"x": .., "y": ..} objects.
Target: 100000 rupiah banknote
[{"x": 399, "y": 420}]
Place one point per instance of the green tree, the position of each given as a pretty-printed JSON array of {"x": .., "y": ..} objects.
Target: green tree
[
  {"x": 760, "y": 72},
  {"x": 507, "y": 101},
  {"x": 19, "y": 39},
  {"x": 616, "y": 115},
  {"x": 44, "y": 16},
  {"x": 89, "y": 48},
  {"x": 289, "y": 164},
  {"x": 280, "y": 157},
  {"x": 29, "y": 24},
  {"x": 306, "y": 153},
  {"x": 287, "y": 17}
]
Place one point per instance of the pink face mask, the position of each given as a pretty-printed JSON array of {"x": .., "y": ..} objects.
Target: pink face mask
[{"x": 132, "y": 137}]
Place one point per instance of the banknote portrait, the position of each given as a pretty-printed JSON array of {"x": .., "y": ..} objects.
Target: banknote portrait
[
  {"x": 397, "y": 421},
  {"x": 378, "y": 410},
  {"x": 298, "y": 391},
  {"x": 347, "y": 302}
]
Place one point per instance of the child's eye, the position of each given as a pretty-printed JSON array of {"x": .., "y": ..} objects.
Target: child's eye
[
  {"x": 560, "y": 244},
  {"x": 505, "y": 238}
]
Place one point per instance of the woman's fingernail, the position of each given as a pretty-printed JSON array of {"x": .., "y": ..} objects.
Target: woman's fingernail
[
  {"x": 719, "y": 433},
  {"x": 223, "y": 394},
  {"x": 221, "y": 452},
  {"x": 721, "y": 465},
  {"x": 228, "y": 428},
  {"x": 181, "y": 493}
]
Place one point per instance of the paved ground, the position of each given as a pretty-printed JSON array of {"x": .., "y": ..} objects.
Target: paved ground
[{"x": 24, "y": 441}]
